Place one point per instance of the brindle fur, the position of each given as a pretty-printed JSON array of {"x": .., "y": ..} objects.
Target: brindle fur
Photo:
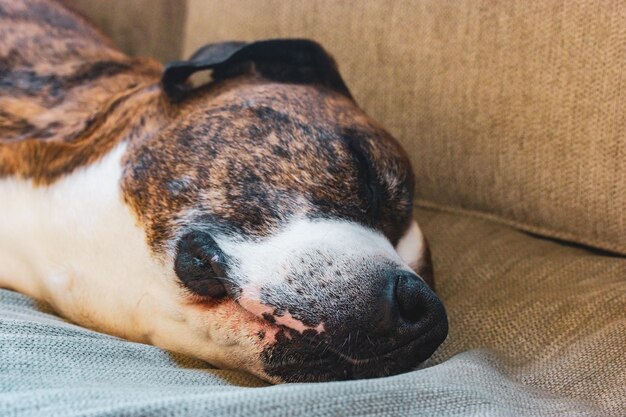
[
  {"x": 66, "y": 95},
  {"x": 242, "y": 153},
  {"x": 245, "y": 155}
]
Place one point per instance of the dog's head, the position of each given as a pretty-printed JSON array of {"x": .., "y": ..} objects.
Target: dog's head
[{"x": 283, "y": 215}]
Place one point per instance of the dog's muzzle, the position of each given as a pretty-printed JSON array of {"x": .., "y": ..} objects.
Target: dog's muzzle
[{"x": 393, "y": 331}]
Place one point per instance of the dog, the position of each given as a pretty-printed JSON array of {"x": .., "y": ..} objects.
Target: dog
[{"x": 260, "y": 221}]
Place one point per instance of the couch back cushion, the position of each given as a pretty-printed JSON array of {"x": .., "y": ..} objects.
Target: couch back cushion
[{"x": 511, "y": 110}]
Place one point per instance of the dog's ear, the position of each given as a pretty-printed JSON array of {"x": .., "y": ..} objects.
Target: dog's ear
[{"x": 283, "y": 60}]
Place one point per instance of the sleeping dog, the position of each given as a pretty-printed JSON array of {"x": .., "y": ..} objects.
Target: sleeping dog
[{"x": 260, "y": 221}]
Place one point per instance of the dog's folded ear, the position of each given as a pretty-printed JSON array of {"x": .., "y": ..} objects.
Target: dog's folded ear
[{"x": 298, "y": 61}]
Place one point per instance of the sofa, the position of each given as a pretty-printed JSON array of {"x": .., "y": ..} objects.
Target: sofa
[{"x": 514, "y": 116}]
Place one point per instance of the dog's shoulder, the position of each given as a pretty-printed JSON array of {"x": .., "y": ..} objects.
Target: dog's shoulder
[
  {"x": 47, "y": 36},
  {"x": 62, "y": 84}
]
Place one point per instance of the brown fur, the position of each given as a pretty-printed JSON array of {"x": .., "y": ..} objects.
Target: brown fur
[
  {"x": 236, "y": 159},
  {"x": 67, "y": 97}
]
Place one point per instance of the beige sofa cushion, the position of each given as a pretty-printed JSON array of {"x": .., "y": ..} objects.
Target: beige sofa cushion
[
  {"x": 512, "y": 110},
  {"x": 139, "y": 27},
  {"x": 556, "y": 314}
]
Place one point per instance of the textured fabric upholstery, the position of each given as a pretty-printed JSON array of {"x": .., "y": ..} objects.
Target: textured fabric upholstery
[{"x": 557, "y": 313}]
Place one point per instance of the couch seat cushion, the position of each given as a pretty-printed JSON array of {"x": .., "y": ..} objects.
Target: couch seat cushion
[{"x": 556, "y": 313}]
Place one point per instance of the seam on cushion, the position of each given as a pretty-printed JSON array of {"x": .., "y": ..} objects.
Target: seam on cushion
[{"x": 616, "y": 249}]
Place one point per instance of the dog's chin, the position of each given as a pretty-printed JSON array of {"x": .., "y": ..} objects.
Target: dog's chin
[{"x": 289, "y": 361}]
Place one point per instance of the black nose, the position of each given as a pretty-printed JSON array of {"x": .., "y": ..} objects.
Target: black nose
[
  {"x": 412, "y": 308},
  {"x": 412, "y": 296}
]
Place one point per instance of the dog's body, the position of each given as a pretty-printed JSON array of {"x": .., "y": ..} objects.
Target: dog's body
[
  {"x": 64, "y": 111},
  {"x": 249, "y": 224}
]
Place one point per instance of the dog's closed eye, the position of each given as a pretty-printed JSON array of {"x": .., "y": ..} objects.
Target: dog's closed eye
[
  {"x": 201, "y": 265},
  {"x": 371, "y": 188}
]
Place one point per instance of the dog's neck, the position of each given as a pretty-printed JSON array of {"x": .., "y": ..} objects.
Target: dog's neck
[
  {"x": 44, "y": 150},
  {"x": 67, "y": 102}
]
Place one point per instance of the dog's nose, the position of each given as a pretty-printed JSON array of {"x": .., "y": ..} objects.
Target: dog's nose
[
  {"x": 397, "y": 324},
  {"x": 411, "y": 296},
  {"x": 412, "y": 307}
]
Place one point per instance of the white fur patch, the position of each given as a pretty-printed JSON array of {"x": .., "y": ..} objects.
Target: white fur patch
[
  {"x": 77, "y": 244},
  {"x": 269, "y": 260},
  {"x": 301, "y": 247},
  {"x": 411, "y": 246},
  {"x": 294, "y": 252}
]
